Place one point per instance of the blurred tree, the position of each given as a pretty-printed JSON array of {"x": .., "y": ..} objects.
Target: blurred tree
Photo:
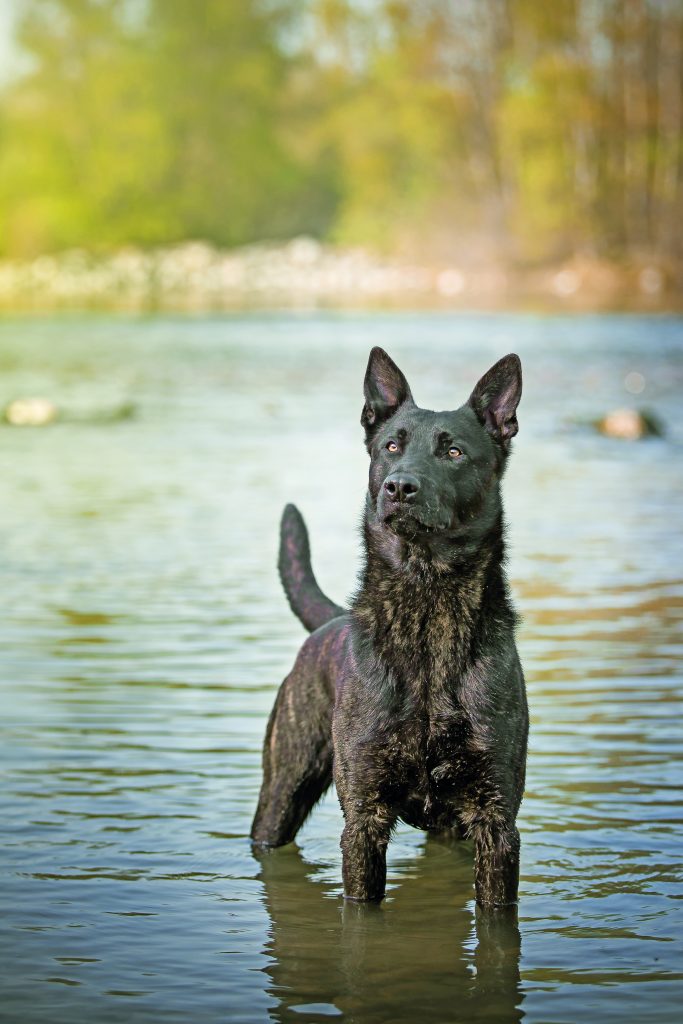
[
  {"x": 471, "y": 129},
  {"x": 152, "y": 122},
  {"x": 512, "y": 128},
  {"x": 223, "y": 86},
  {"x": 84, "y": 149}
]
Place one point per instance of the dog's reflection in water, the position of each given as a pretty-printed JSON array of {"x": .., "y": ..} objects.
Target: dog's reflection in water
[{"x": 425, "y": 955}]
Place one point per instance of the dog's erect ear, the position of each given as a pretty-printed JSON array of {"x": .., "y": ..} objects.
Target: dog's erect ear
[
  {"x": 496, "y": 397},
  {"x": 385, "y": 389}
]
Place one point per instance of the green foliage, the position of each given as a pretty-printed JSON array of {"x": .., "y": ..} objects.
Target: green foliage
[
  {"x": 468, "y": 128},
  {"x": 84, "y": 150},
  {"x": 150, "y": 130}
]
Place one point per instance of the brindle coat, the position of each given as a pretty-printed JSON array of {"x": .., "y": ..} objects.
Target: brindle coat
[{"x": 414, "y": 700}]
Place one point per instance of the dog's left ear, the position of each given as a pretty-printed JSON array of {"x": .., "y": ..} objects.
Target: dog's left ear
[
  {"x": 496, "y": 397},
  {"x": 385, "y": 389}
]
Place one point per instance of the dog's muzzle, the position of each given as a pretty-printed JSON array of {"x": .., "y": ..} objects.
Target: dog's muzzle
[{"x": 402, "y": 509}]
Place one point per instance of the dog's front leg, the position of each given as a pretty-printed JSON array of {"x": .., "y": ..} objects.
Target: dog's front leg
[
  {"x": 364, "y": 850},
  {"x": 496, "y": 861}
]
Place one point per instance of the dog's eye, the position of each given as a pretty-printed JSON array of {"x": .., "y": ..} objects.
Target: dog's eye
[
  {"x": 454, "y": 452},
  {"x": 392, "y": 446}
]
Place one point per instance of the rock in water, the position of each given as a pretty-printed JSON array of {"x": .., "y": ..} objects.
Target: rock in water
[
  {"x": 30, "y": 412},
  {"x": 629, "y": 425}
]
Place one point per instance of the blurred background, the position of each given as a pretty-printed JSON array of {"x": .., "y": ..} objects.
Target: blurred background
[
  {"x": 209, "y": 213},
  {"x": 506, "y": 151}
]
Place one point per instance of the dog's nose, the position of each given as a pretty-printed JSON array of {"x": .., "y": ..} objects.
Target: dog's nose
[{"x": 401, "y": 486}]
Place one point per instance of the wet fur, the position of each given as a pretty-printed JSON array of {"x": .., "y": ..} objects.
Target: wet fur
[{"x": 414, "y": 700}]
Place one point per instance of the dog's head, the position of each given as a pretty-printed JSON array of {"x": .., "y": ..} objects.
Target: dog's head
[{"x": 434, "y": 475}]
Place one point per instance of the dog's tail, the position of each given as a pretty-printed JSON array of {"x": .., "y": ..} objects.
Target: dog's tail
[{"x": 305, "y": 597}]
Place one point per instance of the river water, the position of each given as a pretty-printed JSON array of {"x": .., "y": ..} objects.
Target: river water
[{"x": 144, "y": 635}]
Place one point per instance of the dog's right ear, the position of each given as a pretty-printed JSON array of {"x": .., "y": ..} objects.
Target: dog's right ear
[{"x": 385, "y": 389}]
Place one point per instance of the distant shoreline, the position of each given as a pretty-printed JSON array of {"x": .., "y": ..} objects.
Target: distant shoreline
[{"x": 303, "y": 274}]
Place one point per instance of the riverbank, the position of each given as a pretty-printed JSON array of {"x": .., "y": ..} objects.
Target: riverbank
[{"x": 305, "y": 274}]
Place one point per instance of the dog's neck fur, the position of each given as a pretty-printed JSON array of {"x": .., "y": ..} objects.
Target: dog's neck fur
[{"x": 412, "y": 599}]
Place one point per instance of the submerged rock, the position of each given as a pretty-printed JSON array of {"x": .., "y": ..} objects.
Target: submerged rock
[
  {"x": 629, "y": 424},
  {"x": 39, "y": 412},
  {"x": 30, "y": 412}
]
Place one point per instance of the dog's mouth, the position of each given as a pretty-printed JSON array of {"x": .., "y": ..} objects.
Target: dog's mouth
[{"x": 410, "y": 523}]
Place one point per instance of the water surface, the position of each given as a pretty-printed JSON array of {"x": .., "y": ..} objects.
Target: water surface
[{"x": 145, "y": 633}]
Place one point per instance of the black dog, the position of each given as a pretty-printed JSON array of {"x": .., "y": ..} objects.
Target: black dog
[{"x": 414, "y": 699}]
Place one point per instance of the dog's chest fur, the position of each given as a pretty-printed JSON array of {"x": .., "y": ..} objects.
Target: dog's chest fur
[{"x": 425, "y": 744}]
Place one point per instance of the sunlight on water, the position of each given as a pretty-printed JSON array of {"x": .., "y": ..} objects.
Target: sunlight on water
[{"x": 145, "y": 633}]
